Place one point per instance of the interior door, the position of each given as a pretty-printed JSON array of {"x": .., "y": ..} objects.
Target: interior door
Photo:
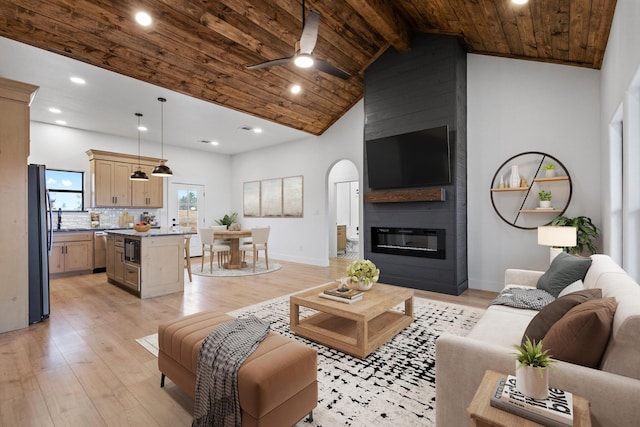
[{"x": 186, "y": 207}]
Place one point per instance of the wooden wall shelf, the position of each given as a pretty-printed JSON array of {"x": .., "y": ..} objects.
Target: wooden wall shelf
[{"x": 414, "y": 195}]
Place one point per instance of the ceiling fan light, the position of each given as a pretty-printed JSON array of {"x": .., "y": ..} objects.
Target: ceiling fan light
[
  {"x": 303, "y": 60},
  {"x": 162, "y": 170},
  {"x": 519, "y": 1},
  {"x": 139, "y": 176}
]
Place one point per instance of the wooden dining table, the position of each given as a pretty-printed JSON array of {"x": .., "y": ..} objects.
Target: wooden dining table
[{"x": 234, "y": 236}]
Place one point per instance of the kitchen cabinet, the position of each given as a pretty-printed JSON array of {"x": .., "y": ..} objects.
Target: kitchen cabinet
[
  {"x": 342, "y": 238},
  {"x": 71, "y": 253},
  {"x": 110, "y": 183},
  {"x": 111, "y": 186},
  {"x": 160, "y": 269},
  {"x": 147, "y": 194}
]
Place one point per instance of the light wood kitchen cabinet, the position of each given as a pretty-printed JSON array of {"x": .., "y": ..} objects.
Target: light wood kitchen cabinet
[
  {"x": 71, "y": 253},
  {"x": 110, "y": 183},
  {"x": 342, "y": 238},
  {"x": 147, "y": 194},
  {"x": 111, "y": 186},
  {"x": 115, "y": 257}
]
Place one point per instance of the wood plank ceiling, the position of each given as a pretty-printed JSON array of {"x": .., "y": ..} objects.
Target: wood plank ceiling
[{"x": 201, "y": 47}]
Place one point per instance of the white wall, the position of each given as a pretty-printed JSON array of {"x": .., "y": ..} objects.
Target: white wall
[
  {"x": 304, "y": 239},
  {"x": 61, "y": 147},
  {"x": 516, "y": 106},
  {"x": 620, "y": 85}
]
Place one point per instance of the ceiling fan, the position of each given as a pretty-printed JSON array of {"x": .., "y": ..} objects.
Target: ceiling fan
[{"x": 303, "y": 48}]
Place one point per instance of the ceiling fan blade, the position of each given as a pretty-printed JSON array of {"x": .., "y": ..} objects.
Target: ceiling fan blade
[
  {"x": 325, "y": 67},
  {"x": 310, "y": 33},
  {"x": 281, "y": 61}
]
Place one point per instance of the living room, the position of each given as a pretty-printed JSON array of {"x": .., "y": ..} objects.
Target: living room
[{"x": 513, "y": 106}]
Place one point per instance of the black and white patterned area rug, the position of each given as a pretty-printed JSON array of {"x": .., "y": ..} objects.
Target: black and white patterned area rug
[{"x": 395, "y": 385}]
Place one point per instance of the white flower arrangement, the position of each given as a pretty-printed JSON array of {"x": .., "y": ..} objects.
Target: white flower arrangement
[{"x": 363, "y": 271}]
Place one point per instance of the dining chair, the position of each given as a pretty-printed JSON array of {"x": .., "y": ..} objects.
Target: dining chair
[
  {"x": 213, "y": 246},
  {"x": 259, "y": 239}
]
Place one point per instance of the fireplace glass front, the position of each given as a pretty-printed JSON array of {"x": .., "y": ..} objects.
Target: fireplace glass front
[{"x": 419, "y": 242}]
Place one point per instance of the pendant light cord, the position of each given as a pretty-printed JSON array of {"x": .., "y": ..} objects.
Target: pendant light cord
[{"x": 139, "y": 115}]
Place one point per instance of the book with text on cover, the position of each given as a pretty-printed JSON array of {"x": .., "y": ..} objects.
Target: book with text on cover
[
  {"x": 351, "y": 293},
  {"x": 554, "y": 411}
]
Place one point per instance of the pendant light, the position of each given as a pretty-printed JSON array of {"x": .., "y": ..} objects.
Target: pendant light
[
  {"x": 162, "y": 169},
  {"x": 139, "y": 175}
]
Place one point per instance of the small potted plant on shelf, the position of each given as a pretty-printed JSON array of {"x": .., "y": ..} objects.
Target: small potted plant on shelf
[
  {"x": 545, "y": 199},
  {"x": 532, "y": 369},
  {"x": 549, "y": 170}
]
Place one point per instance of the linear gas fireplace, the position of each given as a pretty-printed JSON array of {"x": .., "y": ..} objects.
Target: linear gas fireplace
[{"x": 420, "y": 242}]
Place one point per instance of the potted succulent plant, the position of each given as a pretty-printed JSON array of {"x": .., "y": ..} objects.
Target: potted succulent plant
[
  {"x": 587, "y": 233},
  {"x": 545, "y": 199},
  {"x": 532, "y": 369},
  {"x": 549, "y": 170}
]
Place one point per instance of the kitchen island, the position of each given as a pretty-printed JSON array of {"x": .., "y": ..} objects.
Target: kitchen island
[{"x": 147, "y": 264}]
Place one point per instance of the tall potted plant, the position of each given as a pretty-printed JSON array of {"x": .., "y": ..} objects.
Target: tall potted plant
[{"x": 587, "y": 233}]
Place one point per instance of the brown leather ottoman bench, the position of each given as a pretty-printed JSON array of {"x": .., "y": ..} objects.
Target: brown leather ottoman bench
[{"x": 277, "y": 384}]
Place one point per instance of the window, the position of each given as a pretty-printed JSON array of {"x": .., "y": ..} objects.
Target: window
[{"x": 66, "y": 189}]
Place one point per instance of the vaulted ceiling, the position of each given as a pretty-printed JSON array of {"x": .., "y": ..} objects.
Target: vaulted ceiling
[{"x": 201, "y": 48}]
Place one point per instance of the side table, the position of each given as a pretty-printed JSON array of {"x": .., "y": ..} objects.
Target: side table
[{"x": 482, "y": 414}]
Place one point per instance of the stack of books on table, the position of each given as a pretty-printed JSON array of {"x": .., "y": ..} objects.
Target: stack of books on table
[
  {"x": 554, "y": 411},
  {"x": 348, "y": 297}
]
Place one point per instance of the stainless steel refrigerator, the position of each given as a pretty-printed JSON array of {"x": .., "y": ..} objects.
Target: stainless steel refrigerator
[{"x": 40, "y": 237}]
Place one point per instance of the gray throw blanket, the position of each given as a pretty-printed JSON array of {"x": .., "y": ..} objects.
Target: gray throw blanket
[
  {"x": 220, "y": 357},
  {"x": 533, "y": 299}
]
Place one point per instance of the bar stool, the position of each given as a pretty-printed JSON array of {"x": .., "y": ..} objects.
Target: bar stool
[{"x": 187, "y": 255}]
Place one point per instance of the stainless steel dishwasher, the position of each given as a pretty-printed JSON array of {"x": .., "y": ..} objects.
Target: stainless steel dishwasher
[{"x": 99, "y": 251}]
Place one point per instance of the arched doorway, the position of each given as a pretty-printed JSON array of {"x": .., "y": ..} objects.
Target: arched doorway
[{"x": 344, "y": 210}]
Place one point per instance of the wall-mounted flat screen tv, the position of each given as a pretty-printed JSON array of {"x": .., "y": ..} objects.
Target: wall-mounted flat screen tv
[{"x": 415, "y": 159}]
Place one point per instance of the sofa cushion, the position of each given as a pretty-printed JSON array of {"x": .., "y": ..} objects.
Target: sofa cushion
[
  {"x": 549, "y": 315},
  {"x": 563, "y": 271},
  {"x": 578, "y": 285},
  {"x": 582, "y": 334}
]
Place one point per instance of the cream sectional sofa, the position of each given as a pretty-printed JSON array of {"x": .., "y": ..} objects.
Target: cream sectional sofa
[{"x": 613, "y": 390}]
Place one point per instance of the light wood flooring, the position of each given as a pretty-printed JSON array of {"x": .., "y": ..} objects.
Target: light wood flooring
[{"x": 83, "y": 367}]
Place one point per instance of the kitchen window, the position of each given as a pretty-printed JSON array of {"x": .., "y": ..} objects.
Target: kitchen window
[{"x": 66, "y": 189}]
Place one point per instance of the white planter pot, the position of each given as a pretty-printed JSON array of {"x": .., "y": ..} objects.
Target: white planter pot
[
  {"x": 545, "y": 204},
  {"x": 363, "y": 286},
  {"x": 532, "y": 382},
  {"x": 549, "y": 173}
]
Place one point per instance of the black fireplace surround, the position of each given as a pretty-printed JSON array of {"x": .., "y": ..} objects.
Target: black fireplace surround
[{"x": 419, "y": 242}]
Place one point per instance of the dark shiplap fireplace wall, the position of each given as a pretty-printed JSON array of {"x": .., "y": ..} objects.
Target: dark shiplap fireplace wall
[{"x": 422, "y": 88}]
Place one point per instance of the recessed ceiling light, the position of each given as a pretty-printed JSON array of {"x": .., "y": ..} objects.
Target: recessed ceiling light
[
  {"x": 205, "y": 141},
  {"x": 55, "y": 110},
  {"x": 142, "y": 128},
  {"x": 77, "y": 80},
  {"x": 295, "y": 89},
  {"x": 61, "y": 122},
  {"x": 143, "y": 18},
  {"x": 216, "y": 143},
  {"x": 520, "y": 1},
  {"x": 257, "y": 130}
]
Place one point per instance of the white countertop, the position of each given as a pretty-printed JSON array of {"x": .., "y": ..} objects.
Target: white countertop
[{"x": 151, "y": 233}]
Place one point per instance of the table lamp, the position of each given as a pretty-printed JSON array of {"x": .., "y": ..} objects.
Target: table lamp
[{"x": 557, "y": 238}]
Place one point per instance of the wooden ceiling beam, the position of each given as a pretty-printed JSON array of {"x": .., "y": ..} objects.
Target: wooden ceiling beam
[{"x": 382, "y": 17}]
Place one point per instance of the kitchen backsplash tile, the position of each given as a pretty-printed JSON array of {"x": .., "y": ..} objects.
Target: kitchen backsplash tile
[{"x": 109, "y": 218}]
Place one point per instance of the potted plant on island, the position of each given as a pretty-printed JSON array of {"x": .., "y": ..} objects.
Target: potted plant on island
[
  {"x": 532, "y": 369},
  {"x": 363, "y": 273},
  {"x": 549, "y": 170},
  {"x": 545, "y": 199},
  {"x": 587, "y": 233},
  {"x": 228, "y": 219}
]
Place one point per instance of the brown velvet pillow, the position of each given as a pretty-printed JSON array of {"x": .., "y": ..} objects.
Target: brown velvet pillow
[
  {"x": 549, "y": 315},
  {"x": 582, "y": 334}
]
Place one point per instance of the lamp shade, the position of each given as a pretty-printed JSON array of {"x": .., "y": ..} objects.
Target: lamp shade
[{"x": 555, "y": 236}]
